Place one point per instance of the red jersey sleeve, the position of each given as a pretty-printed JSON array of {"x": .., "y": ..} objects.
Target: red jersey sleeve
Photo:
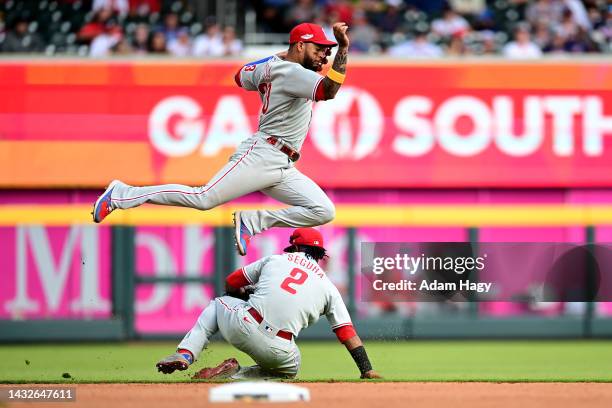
[
  {"x": 237, "y": 279},
  {"x": 344, "y": 333}
]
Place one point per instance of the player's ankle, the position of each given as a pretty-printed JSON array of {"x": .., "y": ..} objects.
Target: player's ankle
[{"x": 187, "y": 354}]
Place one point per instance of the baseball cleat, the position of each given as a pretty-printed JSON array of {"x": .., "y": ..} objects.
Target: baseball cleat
[
  {"x": 224, "y": 370},
  {"x": 242, "y": 235},
  {"x": 176, "y": 361},
  {"x": 103, "y": 205}
]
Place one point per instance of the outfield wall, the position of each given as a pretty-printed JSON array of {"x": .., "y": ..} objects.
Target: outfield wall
[{"x": 164, "y": 275}]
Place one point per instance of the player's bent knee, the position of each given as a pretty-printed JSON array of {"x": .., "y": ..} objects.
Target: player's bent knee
[
  {"x": 203, "y": 206},
  {"x": 330, "y": 214},
  {"x": 326, "y": 213},
  {"x": 205, "y": 203}
]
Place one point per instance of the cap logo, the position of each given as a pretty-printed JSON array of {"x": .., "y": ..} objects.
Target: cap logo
[
  {"x": 316, "y": 242},
  {"x": 307, "y": 36}
]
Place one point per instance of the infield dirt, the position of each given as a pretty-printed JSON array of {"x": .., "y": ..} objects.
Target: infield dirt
[{"x": 354, "y": 395}]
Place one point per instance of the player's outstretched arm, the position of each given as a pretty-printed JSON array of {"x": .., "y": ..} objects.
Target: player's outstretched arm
[
  {"x": 335, "y": 77},
  {"x": 357, "y": 351}
]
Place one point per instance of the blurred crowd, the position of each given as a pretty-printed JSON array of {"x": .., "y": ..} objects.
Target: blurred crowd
[
  {"x": 101, "y": 28},
  {"x": 433, "y": 28},
  {"x": 402, "y": 28}
]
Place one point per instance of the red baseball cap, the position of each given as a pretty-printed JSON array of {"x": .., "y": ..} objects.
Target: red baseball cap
[
  {"x": 306, "y": 236},
  {"x": 308, "y": 32}
]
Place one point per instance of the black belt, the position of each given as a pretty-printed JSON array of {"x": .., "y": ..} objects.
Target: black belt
[
  {"x": 293, "y": 154},
  {"x": 283, "y": 334}
]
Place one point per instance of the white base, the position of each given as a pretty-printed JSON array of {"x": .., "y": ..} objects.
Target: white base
[{"x": 258, "y": 391}]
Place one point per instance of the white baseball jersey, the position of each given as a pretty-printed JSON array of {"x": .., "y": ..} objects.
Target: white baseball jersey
[
  {"x": 287, "y": 91},
  {"x": 292, "y": 292}
]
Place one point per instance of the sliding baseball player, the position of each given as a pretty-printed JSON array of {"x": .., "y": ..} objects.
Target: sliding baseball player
[{"x": 291, "y": 292}]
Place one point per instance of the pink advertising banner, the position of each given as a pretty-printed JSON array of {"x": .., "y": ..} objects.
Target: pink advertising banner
[{"x": 65, "y": 272}]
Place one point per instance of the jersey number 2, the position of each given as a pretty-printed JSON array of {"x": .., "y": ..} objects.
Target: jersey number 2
[{"x": 298, "y": 277}]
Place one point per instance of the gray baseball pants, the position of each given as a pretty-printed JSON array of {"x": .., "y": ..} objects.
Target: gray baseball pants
[
  {"x": 274, "y": 355},
  {"x": 255, "y": 166}
]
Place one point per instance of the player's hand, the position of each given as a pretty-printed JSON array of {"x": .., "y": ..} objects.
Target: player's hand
[
  {"x": 370, "y": 375},
  {"x": 340, "y": 34},
  {"x": 325, "y": 61}
]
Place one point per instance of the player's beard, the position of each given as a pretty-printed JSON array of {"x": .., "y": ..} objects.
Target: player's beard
[{"x": 310, "y": 64}]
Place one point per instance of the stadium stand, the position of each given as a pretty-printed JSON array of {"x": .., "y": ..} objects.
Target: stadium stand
[{"x": 408, "y": 28}]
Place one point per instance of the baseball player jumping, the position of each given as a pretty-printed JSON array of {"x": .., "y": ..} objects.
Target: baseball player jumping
[
  {"x": 287, "y": 84},
  {"x": 291, "y": 292}
]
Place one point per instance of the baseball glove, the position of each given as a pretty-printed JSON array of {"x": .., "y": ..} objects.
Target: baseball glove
[{"x": 243, "y": 292}]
